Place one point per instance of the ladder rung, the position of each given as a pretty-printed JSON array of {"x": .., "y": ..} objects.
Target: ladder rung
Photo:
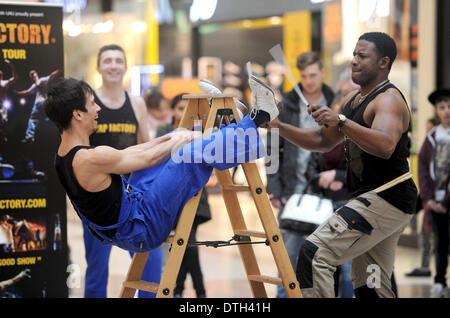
[
  {"x": 251, "y": 233},
  {"x": 235, "y": 187},
  {"x": 142, "y": 285},
  {"x": 266, "y": 279}
]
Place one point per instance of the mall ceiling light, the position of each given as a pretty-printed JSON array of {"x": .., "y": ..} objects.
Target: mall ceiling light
[
  {"x": 202, "y": 10},
  {"x": 70, "y": 5},
  {"x": 373, "y": 9},
  {"x": 275, "y": 20},
  {"x": 103, "y": 27},
  {"x": 7, "y": 104},
  {"x": 138, "y": 27},
  {"x": 75, "y": 30}
]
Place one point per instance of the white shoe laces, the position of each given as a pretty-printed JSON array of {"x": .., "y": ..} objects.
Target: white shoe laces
[
  {"x": 255, "y": 108},
  {"x": 254, "y": 111}
]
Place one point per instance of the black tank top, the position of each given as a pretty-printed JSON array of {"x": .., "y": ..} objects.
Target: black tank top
[
  {"x": 116, "y": 128},
  {"x": 366, "y": 172},
  {"x": 101, "y": 208}
]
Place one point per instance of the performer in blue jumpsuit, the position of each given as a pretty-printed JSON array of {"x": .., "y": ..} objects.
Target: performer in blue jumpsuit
[
  {"x": 128, "y": 115},
  {"x": 138, "y": 215}
]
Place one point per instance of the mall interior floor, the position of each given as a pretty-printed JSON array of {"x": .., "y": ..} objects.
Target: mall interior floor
[{"x": 223, "y": 272}]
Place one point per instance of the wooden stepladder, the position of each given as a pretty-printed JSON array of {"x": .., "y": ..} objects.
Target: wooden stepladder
[{"x": 221, "y": 110}]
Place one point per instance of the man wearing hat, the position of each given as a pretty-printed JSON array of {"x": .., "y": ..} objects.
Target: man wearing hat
[{"x": 434, "y": 176}]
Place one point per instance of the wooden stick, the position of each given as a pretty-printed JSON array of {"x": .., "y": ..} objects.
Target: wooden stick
[{"x": 394, "y": 182}]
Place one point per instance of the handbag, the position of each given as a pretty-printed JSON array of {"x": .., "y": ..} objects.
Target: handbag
[{"x": 305, "y": 212}]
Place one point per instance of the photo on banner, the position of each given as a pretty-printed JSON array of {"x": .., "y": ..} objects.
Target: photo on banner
[{"x": 33, "y": 225}]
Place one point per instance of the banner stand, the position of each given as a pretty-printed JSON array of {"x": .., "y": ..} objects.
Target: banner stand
[{"x": 33, "y": 224}]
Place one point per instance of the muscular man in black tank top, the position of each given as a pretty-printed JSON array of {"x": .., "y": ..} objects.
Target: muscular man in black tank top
[{"x": 366, "y": 230}]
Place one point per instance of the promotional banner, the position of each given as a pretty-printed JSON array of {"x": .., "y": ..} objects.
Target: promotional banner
[
  {"x": 296, "y": 40},
  {"x": 33, "y": 227}
]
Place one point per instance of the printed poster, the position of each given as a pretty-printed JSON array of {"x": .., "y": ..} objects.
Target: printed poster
[{"x": 33, "y": 226}]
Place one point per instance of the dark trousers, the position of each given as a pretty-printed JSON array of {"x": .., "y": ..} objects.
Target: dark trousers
[
  {"x": 441, "y": 242},
  {"x": 191, "y": 265}
]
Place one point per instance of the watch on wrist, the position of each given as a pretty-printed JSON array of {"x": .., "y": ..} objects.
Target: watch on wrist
[{"x": 342, "y": 120}]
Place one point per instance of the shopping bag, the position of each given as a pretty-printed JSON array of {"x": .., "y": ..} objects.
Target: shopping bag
[{"x": 304, "y": 212}]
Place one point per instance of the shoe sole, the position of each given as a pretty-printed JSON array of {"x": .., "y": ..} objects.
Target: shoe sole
[
  {"x": 209, "y": 83},
  {"x": 244, "y": 109}
]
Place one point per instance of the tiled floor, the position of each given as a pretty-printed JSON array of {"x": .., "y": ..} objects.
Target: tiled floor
[{"x": 222, "y": 268}]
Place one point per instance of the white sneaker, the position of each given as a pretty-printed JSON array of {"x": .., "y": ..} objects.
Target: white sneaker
[
  {"x": 263, "y": 98},
  {"x": 209, "y": 88},
  {"x": 437, "y": 291}
]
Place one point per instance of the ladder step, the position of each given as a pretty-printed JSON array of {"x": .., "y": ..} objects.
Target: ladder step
[
  {"x": 266, "y": 279},
  {"x": 142, "y": 285},
  {"x": 251, "y": 233},
  {"x": 235, "y": 187}
]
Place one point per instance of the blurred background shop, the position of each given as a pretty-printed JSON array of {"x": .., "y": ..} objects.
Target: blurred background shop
[
  {"x": 169, "y": 40},
  {"x": 171, "y": 44}
]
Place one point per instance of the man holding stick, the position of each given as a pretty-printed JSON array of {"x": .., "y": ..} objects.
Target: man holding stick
[{"x": 374, "y": 124}]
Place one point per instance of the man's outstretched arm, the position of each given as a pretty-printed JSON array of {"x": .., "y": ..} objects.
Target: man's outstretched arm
[
  {"x": 14, "y": 76},
  {"x": 320, "y": 139},
  {"x": 107, "y": 160},
  {"x": 54, "y": 74},
  {"x": 387, "y": 116}
]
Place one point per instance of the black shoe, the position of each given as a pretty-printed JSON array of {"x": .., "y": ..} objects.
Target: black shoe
[{"x": 417, "y": 272}]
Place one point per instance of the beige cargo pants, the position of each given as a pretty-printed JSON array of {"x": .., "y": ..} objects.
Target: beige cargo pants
[{"x": 366, "y": 231}]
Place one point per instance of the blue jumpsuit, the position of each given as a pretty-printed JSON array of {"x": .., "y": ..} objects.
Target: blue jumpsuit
[
  {"x": 153, "y": 198},
  {"x": 97, "y": 255}
]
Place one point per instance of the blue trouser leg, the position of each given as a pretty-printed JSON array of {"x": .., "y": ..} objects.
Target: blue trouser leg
[
  {"x": 152, "y": 271},
  {"x": 97, "y": 259},
  {"x": 97, "y": 271},
  {"x": 346, "y": 281},
  {"x": 168, "y": 186},
  {"x": 33, "y": 121}
]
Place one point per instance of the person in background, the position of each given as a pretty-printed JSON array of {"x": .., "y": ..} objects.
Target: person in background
[
  {"x": 191, "y": 261},
  {"x": 434, "y": 184},
  {"x": 6, "y": 234},
  {"x": 4, "y": 285},
  {"x": 6, "y": 169},
  {"x": 432, "y": 122},
  {"x": 426, "y": 232},
  {"x": 39, "y": 87},
  {"x": 24, "y": 165},
  {"x": 4, "y": 86},
  {"x": 122, "y": 124},
  {"x": 158, "y": 111}
]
